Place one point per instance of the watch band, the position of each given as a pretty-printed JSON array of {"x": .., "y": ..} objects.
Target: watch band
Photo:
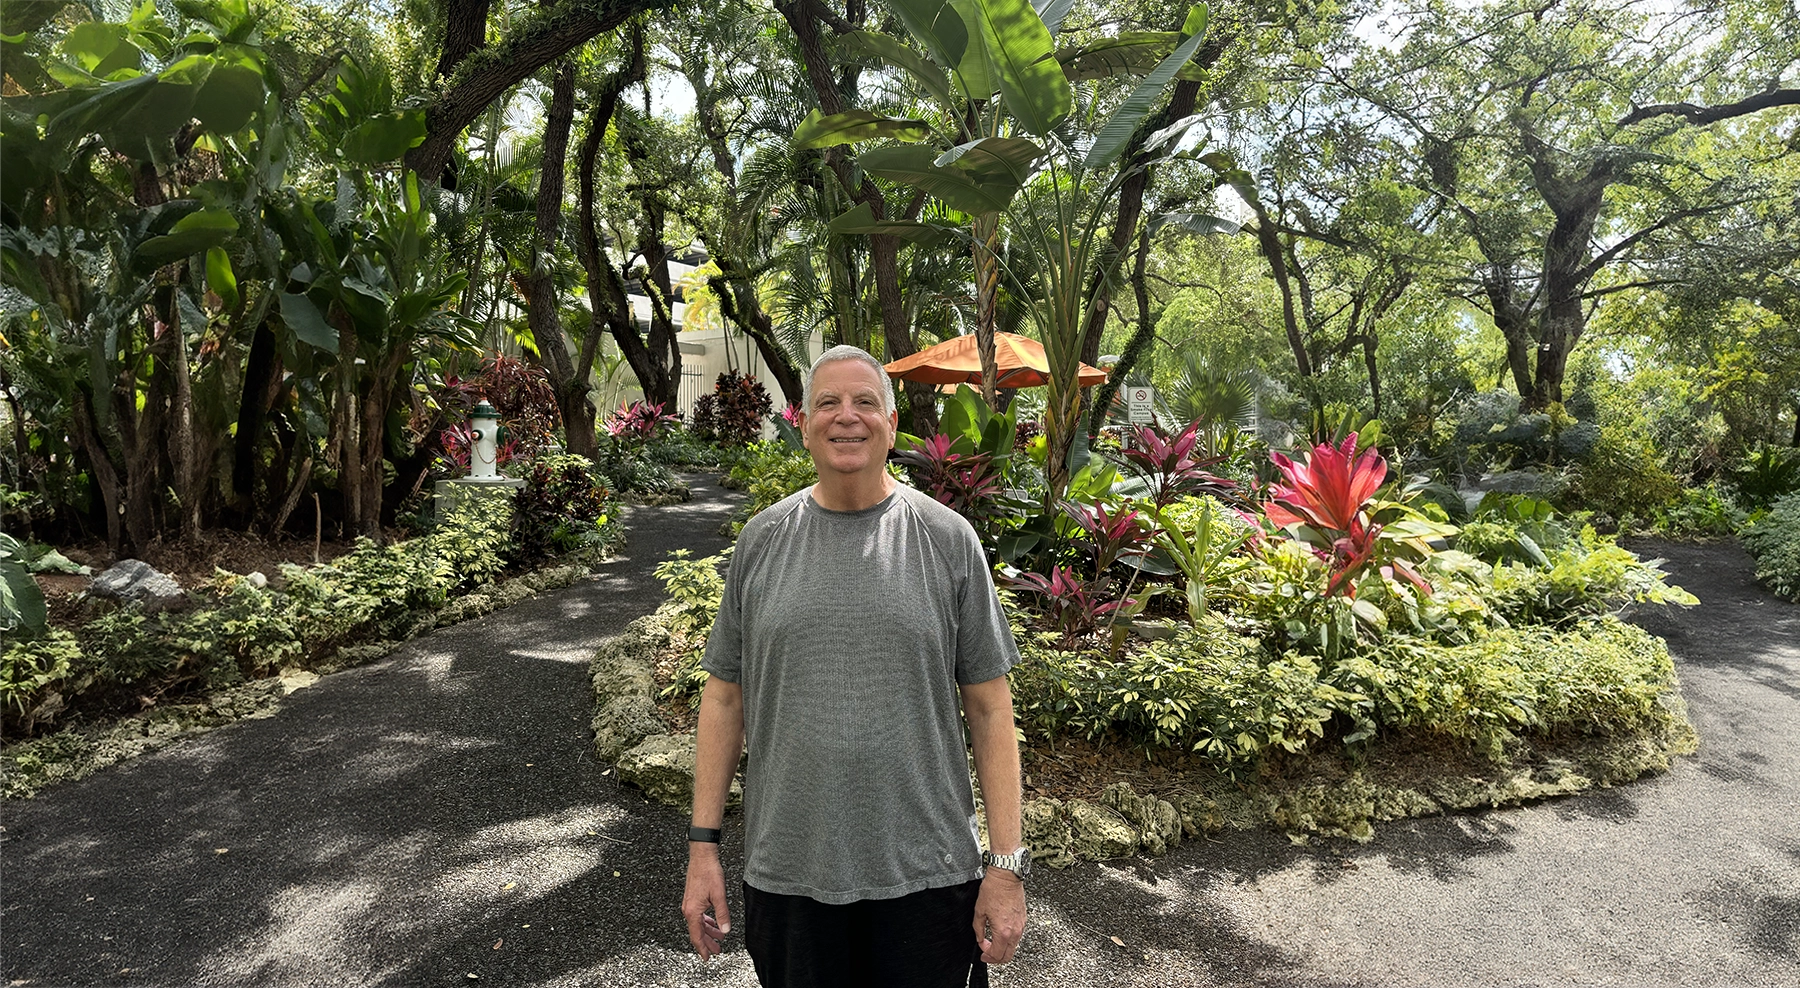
[
  {"x": 705, "y": 835},
  {"x": 1018, "y": 862}
]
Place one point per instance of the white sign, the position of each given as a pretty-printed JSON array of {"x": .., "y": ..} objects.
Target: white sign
[{"x": 1137, "y": 404}]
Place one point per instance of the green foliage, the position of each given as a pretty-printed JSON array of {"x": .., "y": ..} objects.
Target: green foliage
[
  {"x": 29, "y": 666},
  {"x": 770, "y": 471},
  {"x": 1709, "y": 511},
  {"x": 1590, "y": 575},
  {"x": 1622, "y": 477},
  {"x": 473, "y": 536},
  {"x": 681, "y": 449},
  {"x": 1602, "y": 677},
  {"x": 1512, "y": 527},
  {"x": 560, "y": 509},
  {"x": 1207, "y": 689},
  {"x": 1223, "y": 695},
  {"x": 1202, "y": 539},
  {"x": 696, "y": 587},
  {"x": 1775, "y": 542},
  {"x": 1768, "y": 475},
  {"x": 21, "y": 602}
]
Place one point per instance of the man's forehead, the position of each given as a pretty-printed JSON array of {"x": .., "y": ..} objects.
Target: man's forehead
[{"x": 840, "y": 384}]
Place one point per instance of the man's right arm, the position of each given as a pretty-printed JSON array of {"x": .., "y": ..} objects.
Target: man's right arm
[{"x": 718, "y": 743}]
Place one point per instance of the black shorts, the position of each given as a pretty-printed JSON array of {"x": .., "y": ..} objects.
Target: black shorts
[{"x": 922, "y": 940}]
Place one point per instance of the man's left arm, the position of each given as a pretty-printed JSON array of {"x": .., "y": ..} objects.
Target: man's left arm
[{"x": 1000, "y": 907}]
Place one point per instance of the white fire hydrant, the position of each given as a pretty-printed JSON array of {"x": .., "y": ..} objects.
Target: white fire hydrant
[{"x": 484, "y": 423}]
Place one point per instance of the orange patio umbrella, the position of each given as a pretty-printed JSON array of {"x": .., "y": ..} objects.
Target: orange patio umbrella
[{"x": 1019, "y": 360}]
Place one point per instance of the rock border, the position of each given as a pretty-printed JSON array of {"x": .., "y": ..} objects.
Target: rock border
[{"x": 631, "y": 734}]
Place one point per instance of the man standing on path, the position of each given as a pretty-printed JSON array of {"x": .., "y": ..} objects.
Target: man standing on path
[{"x": 856, "y": 614}]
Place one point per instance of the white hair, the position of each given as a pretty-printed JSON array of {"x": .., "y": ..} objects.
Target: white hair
[{"x": 845, "y": 351}]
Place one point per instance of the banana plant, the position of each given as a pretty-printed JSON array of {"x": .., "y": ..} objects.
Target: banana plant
[{"x": 973, "y": 50}]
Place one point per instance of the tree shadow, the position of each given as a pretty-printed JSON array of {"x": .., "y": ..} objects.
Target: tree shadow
[{"x": 437, "y": 814}]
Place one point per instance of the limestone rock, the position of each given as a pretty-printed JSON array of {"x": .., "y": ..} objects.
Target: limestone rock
[
  {"x": 1099, "y": 832},
  {"x": 134, "y": 581},
  {"x": 1045, "y": 829},
  {"x": 1199, "y": 814},
  {"x": 663, "y": 766},
  {"x": 1156, "y": 820},
  {"x": 623, "y": 722}
]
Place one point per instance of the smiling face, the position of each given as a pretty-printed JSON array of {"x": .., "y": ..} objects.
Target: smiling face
[{"x": 847, "y": 430}]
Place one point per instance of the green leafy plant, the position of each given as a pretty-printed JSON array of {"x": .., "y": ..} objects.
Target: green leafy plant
[
  {"x": 1590, "y": 575},
  {"x": 696, "y": 588},
  {"x": 1202, "y": 545},
  {"x": 29, "y": 670},
  {"x": 1775, "y": 542},
  {"x": 21, "y": 601},
  {"x": 1767, "y": 475},
  {"x": 561, "y": 508}
]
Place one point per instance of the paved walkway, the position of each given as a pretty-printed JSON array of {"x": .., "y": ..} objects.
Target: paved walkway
[{"x": 438, "y": 818}]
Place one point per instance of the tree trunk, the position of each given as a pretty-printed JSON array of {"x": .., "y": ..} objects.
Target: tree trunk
[
  {"x": 184, "y": 452},
  {"x": 106, "y": 476},
  {"x": 738, "y": 303},
  {"x": 465, "y": 32},
  {"x": 543, "y": 311},
  {"x": 543, "y": 38},
  {"x": 664, "y": 385},
  {"x": 345, "y": 421},
  {"x": 985, "y": 243},
  {"x": 1131, "y": 201},
  {"x": 1141, "y": 337},
  {"x": 884, "y": 250},
  {"x": 262, "y": 370},
  {"x": 1269, "y": 240}
]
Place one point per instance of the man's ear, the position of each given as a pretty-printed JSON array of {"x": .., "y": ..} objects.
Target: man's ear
[
  {"x": 804, "y": 441},
  {"x": 893, "y": 426}
]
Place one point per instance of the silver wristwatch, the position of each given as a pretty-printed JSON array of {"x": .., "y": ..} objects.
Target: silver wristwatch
[{"x": 1018, "y": 862}]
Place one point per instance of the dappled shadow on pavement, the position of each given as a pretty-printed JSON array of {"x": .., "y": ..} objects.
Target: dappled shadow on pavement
[{"x": 431, "y": 816}]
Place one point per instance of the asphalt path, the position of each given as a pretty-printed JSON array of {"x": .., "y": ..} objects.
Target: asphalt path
[{"x": 439, "y": 818}]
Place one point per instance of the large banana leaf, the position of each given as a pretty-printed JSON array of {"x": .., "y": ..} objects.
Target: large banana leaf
[
  {"x": 937, "y": 25},
  {"x": 1117, "y": 131},
  {"x": 1009, "y": 160},
  {"x": 192, "y": 234},
  {"x": 915, "y": 166},
  {"x": 385, "y": 138},
  {"x": 307, "y": 322},
  {"x": 1020, "y": 54},
  {"x": 1131, "y": 53},
  {"x": 862, "y": 220},
  {"x": 850, "y": 126},
  {"x": 972, "y": 78},
  {"x": 892, "y": 51},
  {"x": 1052, "y": 12}
]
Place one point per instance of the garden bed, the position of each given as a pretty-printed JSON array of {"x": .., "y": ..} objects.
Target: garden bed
[{"x": 1095, "y": 798}]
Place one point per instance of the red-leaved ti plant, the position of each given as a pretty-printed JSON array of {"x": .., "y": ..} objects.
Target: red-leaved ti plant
[{"x": 1326, "y": 503}]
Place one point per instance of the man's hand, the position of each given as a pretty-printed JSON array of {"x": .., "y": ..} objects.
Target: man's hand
[
  {"x": 999, "y": 915},
  {"x": 706, "y": 890}
]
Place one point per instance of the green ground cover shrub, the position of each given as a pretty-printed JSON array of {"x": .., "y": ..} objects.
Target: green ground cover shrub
[
  {"x": 1774, "y": 540},
  {"x": 230, "y": 630},
  {"x": 769, "y": 471},
  {"x": 695, "y": 587}
]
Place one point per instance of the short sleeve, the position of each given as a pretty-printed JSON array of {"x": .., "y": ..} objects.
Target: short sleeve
[
  {"x": 985, "y": 647},
  {"x": 724, "y": 656}
]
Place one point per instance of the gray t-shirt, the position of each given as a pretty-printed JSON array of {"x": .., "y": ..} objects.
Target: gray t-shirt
[{"x": 849, "y": 632}]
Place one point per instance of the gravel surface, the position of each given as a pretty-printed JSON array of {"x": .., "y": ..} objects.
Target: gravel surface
[{"x": 438, "y": 818}]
